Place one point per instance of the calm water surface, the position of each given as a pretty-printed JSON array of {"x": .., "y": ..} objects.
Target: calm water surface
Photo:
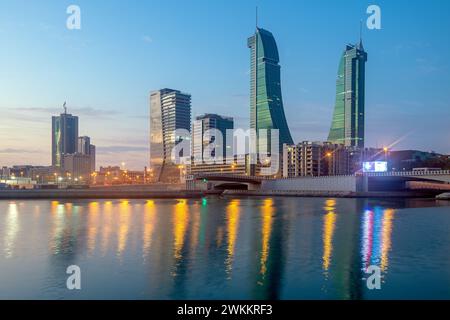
[{"x": 225, "y": 248}]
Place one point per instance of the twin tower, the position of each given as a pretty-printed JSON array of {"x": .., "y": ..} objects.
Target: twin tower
[
  {"x": 266, "y": 103},
  {"x": 171, "y": 109}
]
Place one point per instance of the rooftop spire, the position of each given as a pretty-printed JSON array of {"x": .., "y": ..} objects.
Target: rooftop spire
[
  {"x": 360, "y": 45},
  {"x": 256, "y": 17}
]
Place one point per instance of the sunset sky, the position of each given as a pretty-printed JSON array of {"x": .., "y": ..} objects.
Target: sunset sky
[{"x": 125, "y": 49}]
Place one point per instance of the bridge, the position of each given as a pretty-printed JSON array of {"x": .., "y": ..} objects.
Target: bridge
[
  {"x": 225, "y": 181},
  {"x": 360, "y": 182},
  {"x": 396, "y": 180}
]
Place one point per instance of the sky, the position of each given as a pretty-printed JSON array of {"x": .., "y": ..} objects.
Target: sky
[{"x": 125, "y": 49}]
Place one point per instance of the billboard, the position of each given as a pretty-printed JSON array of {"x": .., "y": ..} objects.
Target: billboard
[{"x": 375, "y": 166}]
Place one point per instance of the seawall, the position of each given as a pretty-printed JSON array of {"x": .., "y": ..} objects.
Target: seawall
[{"x": 100, "y": 194}]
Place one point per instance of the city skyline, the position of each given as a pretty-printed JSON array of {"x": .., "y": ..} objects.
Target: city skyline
[{"x": 119, "y": 123}]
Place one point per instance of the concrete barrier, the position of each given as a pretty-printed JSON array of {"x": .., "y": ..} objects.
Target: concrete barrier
[{"x": 323, "y": 184}]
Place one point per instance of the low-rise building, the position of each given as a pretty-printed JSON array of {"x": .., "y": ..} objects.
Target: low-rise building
[{"x": 316, "y": 159}]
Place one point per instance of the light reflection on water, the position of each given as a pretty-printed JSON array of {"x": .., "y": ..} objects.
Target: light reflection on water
[{"x": 277, "y": 248}]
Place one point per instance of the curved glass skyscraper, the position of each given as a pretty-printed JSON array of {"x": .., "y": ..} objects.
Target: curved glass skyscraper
[
  {"x": 266, "y": 103},
  {"x": 348, "y": 120}
]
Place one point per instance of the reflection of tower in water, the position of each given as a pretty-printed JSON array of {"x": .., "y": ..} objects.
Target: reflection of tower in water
[
  {"x": 271, "y": 258},
  {"x": 340, "y": 241}
]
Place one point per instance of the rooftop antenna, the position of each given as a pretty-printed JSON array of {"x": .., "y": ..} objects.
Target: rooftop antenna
[
  {"x": 65, "y": 108},
  {"x": 256, "y": 17},
  {"x": 360, "y": 31}
]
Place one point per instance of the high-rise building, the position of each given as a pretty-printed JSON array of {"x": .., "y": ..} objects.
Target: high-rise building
[
  {"x": 266, "y": 103},
  {"x": 84, "y": 145},
  {"x": 86, "y": 148},
  {"x": 203, "y": 135},
  {"x": 92, "y": 154},
  {"x": 348, "y": 120},
  {"x": 169, "y": 110},
  {"x": 64, "y": 137}
]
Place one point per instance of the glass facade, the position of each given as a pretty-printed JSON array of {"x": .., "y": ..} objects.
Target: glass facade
[
  {"x": 266, "y": 103},
  {"x": 200, "y": 140},
  {"x": 169, "y": 110},
  {"x": 64, "y": 137},
  {"x": 348, "y": 120}
]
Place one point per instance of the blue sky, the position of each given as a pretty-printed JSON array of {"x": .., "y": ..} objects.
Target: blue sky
[{"x": 125, "y": 49}]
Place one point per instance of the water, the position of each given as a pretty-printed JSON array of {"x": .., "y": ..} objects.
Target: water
[{"x": 248, "y": 248}]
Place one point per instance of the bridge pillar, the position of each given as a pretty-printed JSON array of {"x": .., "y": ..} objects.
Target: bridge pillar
[{"x": 362, "y": 184}]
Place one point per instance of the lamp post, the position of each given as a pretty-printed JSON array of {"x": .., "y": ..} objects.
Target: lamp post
[{"x": 386, "y": 150}]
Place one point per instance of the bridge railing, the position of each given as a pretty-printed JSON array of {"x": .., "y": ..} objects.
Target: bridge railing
[
  {"x": 406, "y": 173},
  {"x": 229, "y": 176},
  {"x": 367, "y": 174}
]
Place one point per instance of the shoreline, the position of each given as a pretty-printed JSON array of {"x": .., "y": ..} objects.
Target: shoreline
[
  {"x": 117, "y": 193},
  {"x": 333, "y": 194}
]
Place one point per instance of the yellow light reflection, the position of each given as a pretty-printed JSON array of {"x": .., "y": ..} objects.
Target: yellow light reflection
[
  {"x": 329, "y": 223},
  {"x": 58, "y": 211},
  {"x": 149, "y": 225},
  {"x": 233, "y": 213},
  {"x": 124, "y": 222},
  {"x": 388, "y": 218},
  {"x": 106, "y": 226},
  {"x": 328, "y": 232},
  {"x": 180, "y": 222},
  {"x": 330, "y": 205},
  {"x": 267, "y": 212},
  {"x": 12, "y": 228},
  {"x": 195, "y": 229},
  {"x": 93, "y": 213}
]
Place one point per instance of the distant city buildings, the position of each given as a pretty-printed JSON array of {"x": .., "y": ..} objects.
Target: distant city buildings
[
  {"x": 347, "y": 127},
  {"x": 170, "y": 110},
  {"x": 205, "y": 131},
  {"x": 64, "y": 137},
  {"x": 266, "y": 103},
  {"x": 114, "y": 175},
  {"x": 73, "y": 157}
]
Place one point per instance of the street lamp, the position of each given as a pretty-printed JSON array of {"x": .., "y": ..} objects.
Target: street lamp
[{"x": 386, "y": 150}]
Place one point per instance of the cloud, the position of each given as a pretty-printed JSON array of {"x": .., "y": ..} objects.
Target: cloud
[
  {"x": 147, "y": 39},
  {"x": 84, "y": 111},
  {"x": 39, "y": 114},
  {"x": 121, "y": 149},
  {"x": 14, "y": 151}
]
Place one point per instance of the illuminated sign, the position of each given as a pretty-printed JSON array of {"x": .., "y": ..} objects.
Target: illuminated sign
[{"x": 375, "y": 166}]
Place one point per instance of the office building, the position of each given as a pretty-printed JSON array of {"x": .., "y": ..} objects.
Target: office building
[
  {"x": 84, "y": 145},
  {"x": 86, "y": 148},
  {"x": 347, "y": 126},
  {"x": 204, "y": 129},
  {"x": 64, "y": 137},
  {"x": 169, "y": 110},
  {"x": 266, "y": 103}
]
